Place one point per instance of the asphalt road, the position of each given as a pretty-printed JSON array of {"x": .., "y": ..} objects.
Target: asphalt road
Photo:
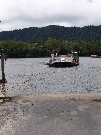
[{"x": 51, "y": 115}]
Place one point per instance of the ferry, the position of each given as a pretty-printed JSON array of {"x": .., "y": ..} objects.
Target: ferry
[{"x": 64, "y": 60}]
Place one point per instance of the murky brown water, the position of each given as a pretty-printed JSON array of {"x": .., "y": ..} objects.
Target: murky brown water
[{"x": 32, "y": 76}]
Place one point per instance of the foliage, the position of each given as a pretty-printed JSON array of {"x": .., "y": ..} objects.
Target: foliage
[{"x": 18, "y": 49}]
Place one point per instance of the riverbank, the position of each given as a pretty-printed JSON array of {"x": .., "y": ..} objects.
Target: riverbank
[
  {"x": 38, "y": 97},
  {"x": 51, "y": 114}
]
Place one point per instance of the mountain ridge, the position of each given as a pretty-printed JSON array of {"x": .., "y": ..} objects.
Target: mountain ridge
[{"x": 34, "y": 34}]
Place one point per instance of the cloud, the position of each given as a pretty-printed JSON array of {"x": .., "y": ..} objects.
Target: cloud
[{"x": 19, "y": 14}]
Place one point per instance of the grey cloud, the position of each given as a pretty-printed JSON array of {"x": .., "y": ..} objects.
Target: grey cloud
[{"x": 37, "y": 13}]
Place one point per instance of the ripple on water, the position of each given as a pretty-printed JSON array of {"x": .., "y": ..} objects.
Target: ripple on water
[{"x": 32, "y": 76}]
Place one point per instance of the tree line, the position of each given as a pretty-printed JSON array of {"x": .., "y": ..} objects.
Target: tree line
[{"x": 19, "y": 49}]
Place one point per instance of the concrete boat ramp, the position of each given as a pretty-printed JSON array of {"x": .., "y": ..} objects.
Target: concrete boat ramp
[{"x": 47, "y": 114}]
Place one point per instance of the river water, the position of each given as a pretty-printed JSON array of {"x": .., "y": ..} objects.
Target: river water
[{"x": 32, "y": 76}]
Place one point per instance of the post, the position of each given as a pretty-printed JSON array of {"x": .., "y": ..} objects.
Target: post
[{"x": 2, "y": 66}]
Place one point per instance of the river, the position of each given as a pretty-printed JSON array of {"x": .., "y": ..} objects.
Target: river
[{"x": 32, "y": 76}]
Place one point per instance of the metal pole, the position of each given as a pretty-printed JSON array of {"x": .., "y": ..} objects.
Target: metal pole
[{"x": 2, "y": 66}]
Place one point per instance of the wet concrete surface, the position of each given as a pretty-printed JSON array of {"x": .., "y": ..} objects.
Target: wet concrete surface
[{"x": 51, "y": 115}]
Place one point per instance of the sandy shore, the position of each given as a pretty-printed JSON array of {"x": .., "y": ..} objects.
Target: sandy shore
[{"x": 60, "y": 97}]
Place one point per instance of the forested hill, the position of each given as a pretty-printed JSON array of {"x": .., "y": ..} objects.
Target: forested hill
[{"x": 33, "y": 34}]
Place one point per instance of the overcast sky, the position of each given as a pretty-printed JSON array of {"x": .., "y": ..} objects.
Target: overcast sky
[{"x": 19, "y": 14}]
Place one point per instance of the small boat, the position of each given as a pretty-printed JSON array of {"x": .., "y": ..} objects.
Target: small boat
[
  {"x": 64, "y": 61},
  {"x": 95, "y": 56}
]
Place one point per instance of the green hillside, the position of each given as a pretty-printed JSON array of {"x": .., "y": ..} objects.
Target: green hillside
[{"x": 34, "y": 34}]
